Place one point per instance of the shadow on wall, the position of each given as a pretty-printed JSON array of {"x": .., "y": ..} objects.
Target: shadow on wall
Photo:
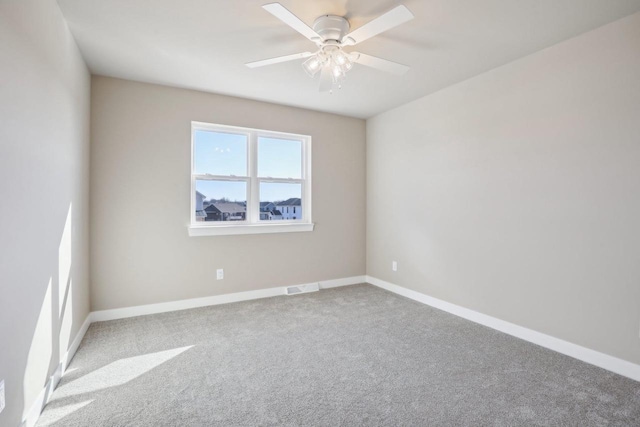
[{"x": 51, "y": 334}]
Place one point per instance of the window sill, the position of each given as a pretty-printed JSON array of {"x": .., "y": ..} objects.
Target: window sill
[{"x": 226, "y": 230}]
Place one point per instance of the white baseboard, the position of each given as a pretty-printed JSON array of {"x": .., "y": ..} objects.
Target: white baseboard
[
  {"x": 326, "y": 284},
  {"x": 36, "y": 408},
  {"x": 141, "y": 310},
  {"x": 605, "y": 361}
]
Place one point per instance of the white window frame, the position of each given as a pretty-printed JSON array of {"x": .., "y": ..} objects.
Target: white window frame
[{"x": 252, "y": 223}]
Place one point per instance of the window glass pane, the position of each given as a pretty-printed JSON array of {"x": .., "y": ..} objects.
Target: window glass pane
[
  {"x": 221, "y": 200},
  {"x": 279, "y": 158},
  {"x": 280, "y": 201},
  {"x": 218, "y": 153}
]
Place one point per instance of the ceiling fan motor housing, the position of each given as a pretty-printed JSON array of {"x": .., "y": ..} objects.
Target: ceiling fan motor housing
[{"x": 331, "y": 27}]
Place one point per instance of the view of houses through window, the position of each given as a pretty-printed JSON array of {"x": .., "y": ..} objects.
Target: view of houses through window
[
  {"x": 243, "y": 176},
  {"x": 236, "y": 210}
]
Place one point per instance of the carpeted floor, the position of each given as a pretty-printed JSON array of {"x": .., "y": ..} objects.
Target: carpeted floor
[{"x": 348, "y": 356}]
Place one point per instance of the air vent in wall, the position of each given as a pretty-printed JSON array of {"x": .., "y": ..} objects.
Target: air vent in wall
[{"x": 302, "y": 289}]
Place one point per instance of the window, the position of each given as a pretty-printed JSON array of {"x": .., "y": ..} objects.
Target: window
[{"x": 249, "y": 181}]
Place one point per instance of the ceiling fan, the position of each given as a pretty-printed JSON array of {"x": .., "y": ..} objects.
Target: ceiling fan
[{"x": 330, "y": 34}]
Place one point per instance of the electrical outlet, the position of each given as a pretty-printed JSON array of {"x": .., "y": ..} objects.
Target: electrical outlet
[
  {"x": 1, "y": 395},
  {"x": 394, "y": 265},
  {"x": 220, "y": 274}
]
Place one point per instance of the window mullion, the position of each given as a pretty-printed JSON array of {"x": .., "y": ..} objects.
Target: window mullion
[
  {"x": 281, "y": 180},
  {"x": 254, "y": 205},
  {"x": 220, "y": 178}
]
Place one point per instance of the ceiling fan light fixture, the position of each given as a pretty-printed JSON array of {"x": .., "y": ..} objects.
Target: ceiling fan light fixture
[
  {"x": 312, "y": 65},
  {"x": 340, "y": 57},
  {"x": 334, "y": 60}
]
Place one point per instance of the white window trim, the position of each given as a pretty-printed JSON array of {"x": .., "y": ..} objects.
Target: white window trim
[{"x": 253, "y": 224}]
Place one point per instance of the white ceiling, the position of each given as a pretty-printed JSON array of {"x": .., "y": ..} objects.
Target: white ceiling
[{"x": 203, "y": 44}]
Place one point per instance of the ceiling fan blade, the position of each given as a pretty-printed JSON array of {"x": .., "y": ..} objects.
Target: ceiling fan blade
[
  {"x": 282, "y": 13},
  {"x": 270, "y": 61},
  {"x": 393, "y": 18},
  {"x": 326, "y": 81},
  {"x": 381, "y": 64}
]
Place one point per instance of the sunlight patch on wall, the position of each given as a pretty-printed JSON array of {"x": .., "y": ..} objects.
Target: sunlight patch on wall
[
  {"x": 64, "y": 260},
  {"x": 66, "y": 323},
  {"x": 40, "y": 352}
]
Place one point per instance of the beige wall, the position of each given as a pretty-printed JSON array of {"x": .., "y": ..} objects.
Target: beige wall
[
  {"x": 517, "y": 193},
  {"x": 44, "y": 161},
  {"x": 140, "y": 181}
]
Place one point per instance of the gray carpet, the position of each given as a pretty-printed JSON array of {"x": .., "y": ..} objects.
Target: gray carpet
[{"x": 340, "y": 357}]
